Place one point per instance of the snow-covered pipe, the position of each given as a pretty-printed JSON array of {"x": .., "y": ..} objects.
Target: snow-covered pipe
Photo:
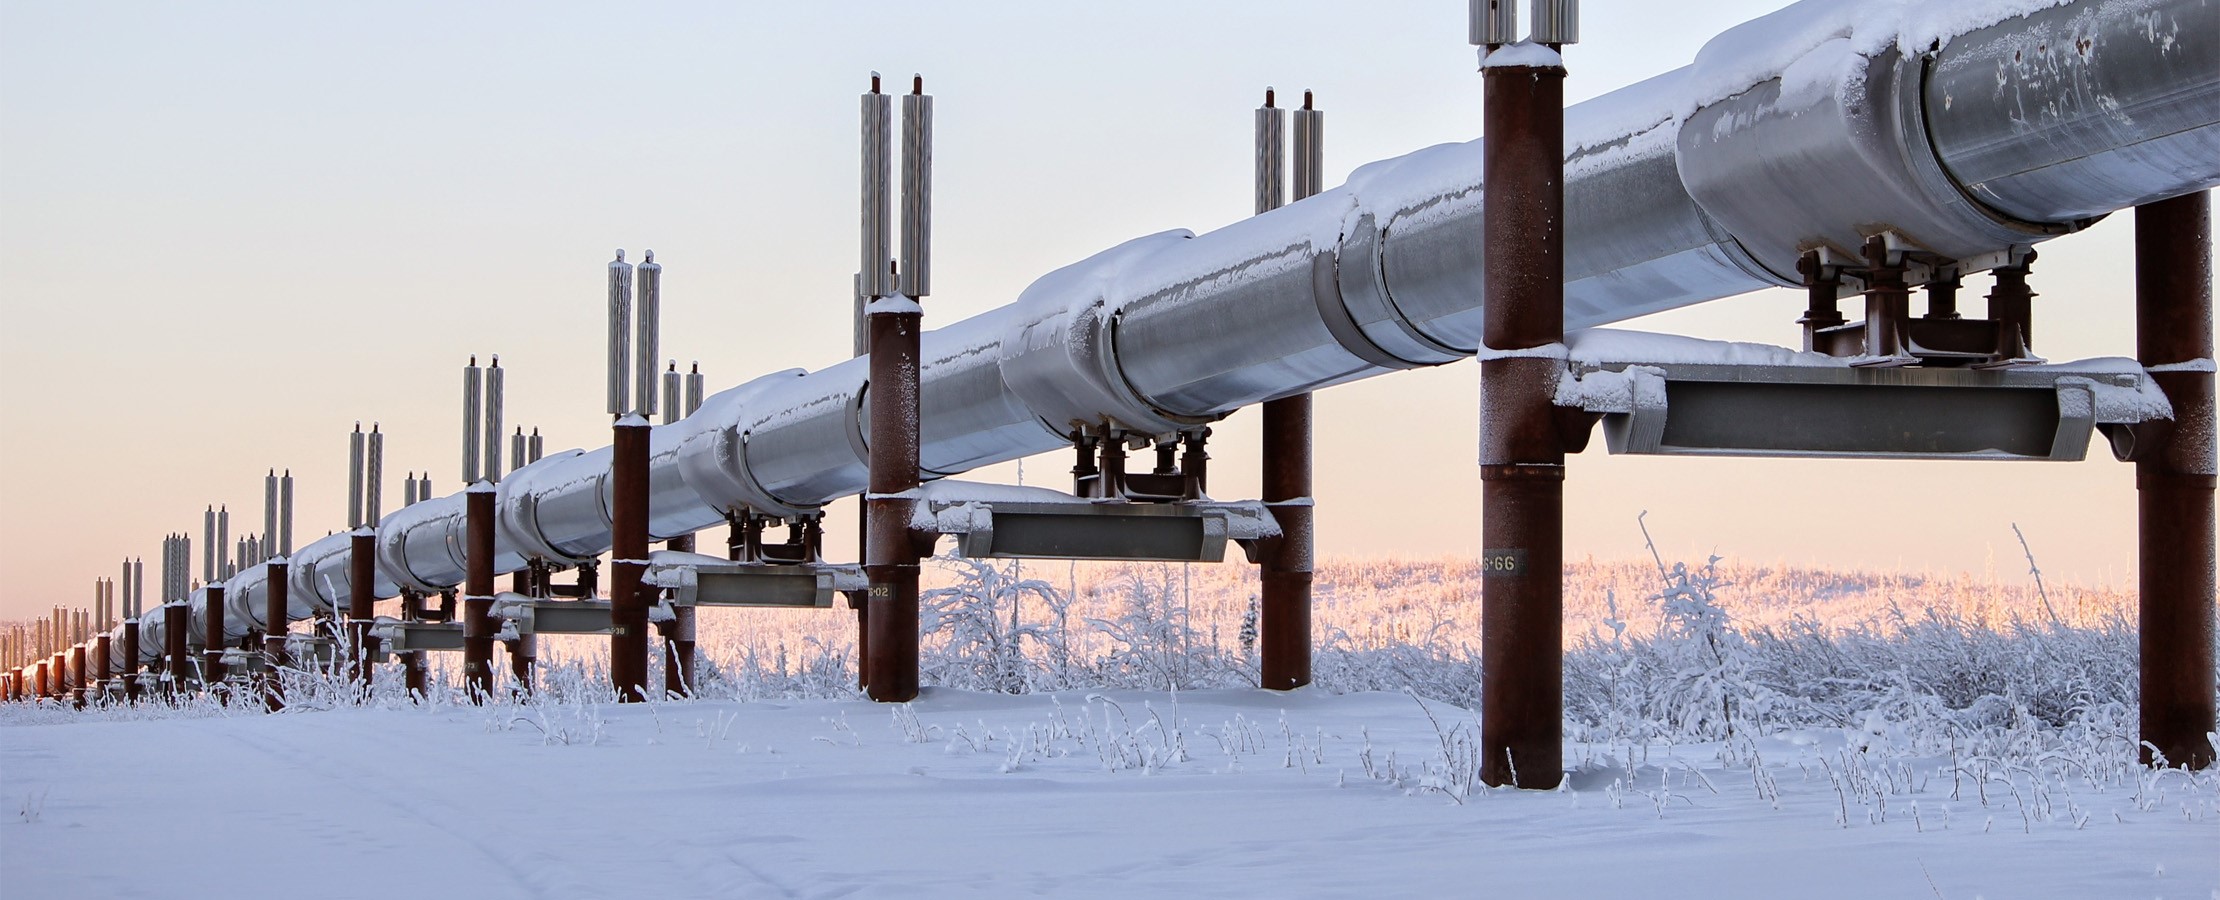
[{"x": 1809, "y": 127}]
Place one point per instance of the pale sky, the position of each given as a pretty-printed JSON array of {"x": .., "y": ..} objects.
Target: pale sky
[{"x": 228, "y": 231}]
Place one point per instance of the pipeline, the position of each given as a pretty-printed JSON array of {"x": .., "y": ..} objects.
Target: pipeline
[{"x": 1965, "y": 130}]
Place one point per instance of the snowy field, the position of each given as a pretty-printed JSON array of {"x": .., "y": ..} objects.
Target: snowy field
[
  {"x": 1730, "y": 732},
  {"x": 1224, "y": 793}
]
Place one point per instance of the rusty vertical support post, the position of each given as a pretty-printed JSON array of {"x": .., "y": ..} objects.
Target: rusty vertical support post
[
  {"x": 1822, "y": 293},
  {"x": 1888, "y": 301},
  {"x": 628, "y": 606},
  {"x": 39, "y": 681},
  {"x": 131, "y": 659},
  {"x": 102, "y": 660},
  {"x": 1283, "y": 609},
  {"x": 1522, "y": 460},
  {"x": 678, "y": 638},
  {"x": 274, "y": 623},
  {"x": 413, "y": 662},
  {"x": 2174, "y": 483},
  {"x": 362, "y": 575},
  {"x": 212, "y": 638},
  {"x": 78, "y": 680},
  {"x": 2012, "y": 305},
  {"x": 523, "y": 651},
  {"x": 478, "y": 624},
  {"x": 890, "y": 557},
  {"x": 175, "y": 620}
]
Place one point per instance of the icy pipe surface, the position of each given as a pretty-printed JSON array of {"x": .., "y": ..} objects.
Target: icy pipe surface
[{"x": 1383, "y": 272}]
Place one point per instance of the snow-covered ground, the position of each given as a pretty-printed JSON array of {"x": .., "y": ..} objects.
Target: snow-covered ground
[{"x": 1128, "y": 794}]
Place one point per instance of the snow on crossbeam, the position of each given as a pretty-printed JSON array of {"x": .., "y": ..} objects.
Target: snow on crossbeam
[
  {"x": 1677, "y": 396},
  {"x": 992, "y": 521}
]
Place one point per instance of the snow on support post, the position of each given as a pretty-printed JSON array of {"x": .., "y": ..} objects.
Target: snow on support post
[
  {"x": 1522, "y": 458},
  {"x": 628, "y": 606},
  {"x": 362, "y": 573},
  {"x": 274, "y": 621},
  {"x": 890, "y": 553},
  {"x": 212, "y": 639},
  {"x": 1283, "y": 607},
  {"x": 478, "y": 623},
  {"x": 2174, "y": 480}
]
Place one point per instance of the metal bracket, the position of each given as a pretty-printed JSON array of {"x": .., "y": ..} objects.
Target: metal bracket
[
  {"x": 997, "y": 522},
  {"x": 541, "y": 615},
  {"x": 2035, "y": 412},
  {"x": 692, "y": 579},
  {"x": 404, "y": 637}
]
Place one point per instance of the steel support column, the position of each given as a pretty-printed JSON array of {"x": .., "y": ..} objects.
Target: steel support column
[
  {"x": 1522, "y": 460},
  {"x": 2174, "y": 483},
  {"x": 678, "y": 638},
  {"x": 1283, "y": 607},
  {"x": 413, "y": 661},
  {"x": 174, "y": 622},
  {"x": 102, "y": 657},
  {"x": 212, "y": 638},
  {"x": 362, "y": 575},
  {"x": 890, "y": 556},
  {"x": 131, "y": 659},
  {"x": 628, "y": 606},
  {"x": 78, "y": 680},
  {"x": 274, "y": 624},
  {"x": 478, "y": 624}
]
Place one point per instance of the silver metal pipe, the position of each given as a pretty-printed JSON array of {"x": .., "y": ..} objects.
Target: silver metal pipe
[
  {"x": 2059, "y": 115},
  {"x": 620, "y": 337},
  {"x": 269, "y": 512},
  {"x": 373, "y": 478},
  {"x": 533, "y": 444},
  {"x": 860, "y": 342},
  {"x": 223, "y": 536},
  {"x": 694, "y": 386},
  {"x": 878, "y": 214},
  {"x": 208, "y": 545},
  {"x": 516, "y": 449},
  {"x": 127, "y": 586},
  {"x": 408, "y": 490},
  {"x": 671, "y": 407},
  {"x": 648, "y": 348},
  {"x": 285, "y": 513},
  {"x": 1271, "y": 140},
  {"x": 1309, "y": 150},
  {"x": 138, "y": 588},
  {"x": 355, "y": 457},
  {"x": 1556, "y": 22},
  {"x": 495, "y": 401},
  {"x": 1494, "y": 22},
  {"x": 473, "y": 396},
  {"x": 1377, "y": 274},
  {"x": 916, "y": 270}
]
